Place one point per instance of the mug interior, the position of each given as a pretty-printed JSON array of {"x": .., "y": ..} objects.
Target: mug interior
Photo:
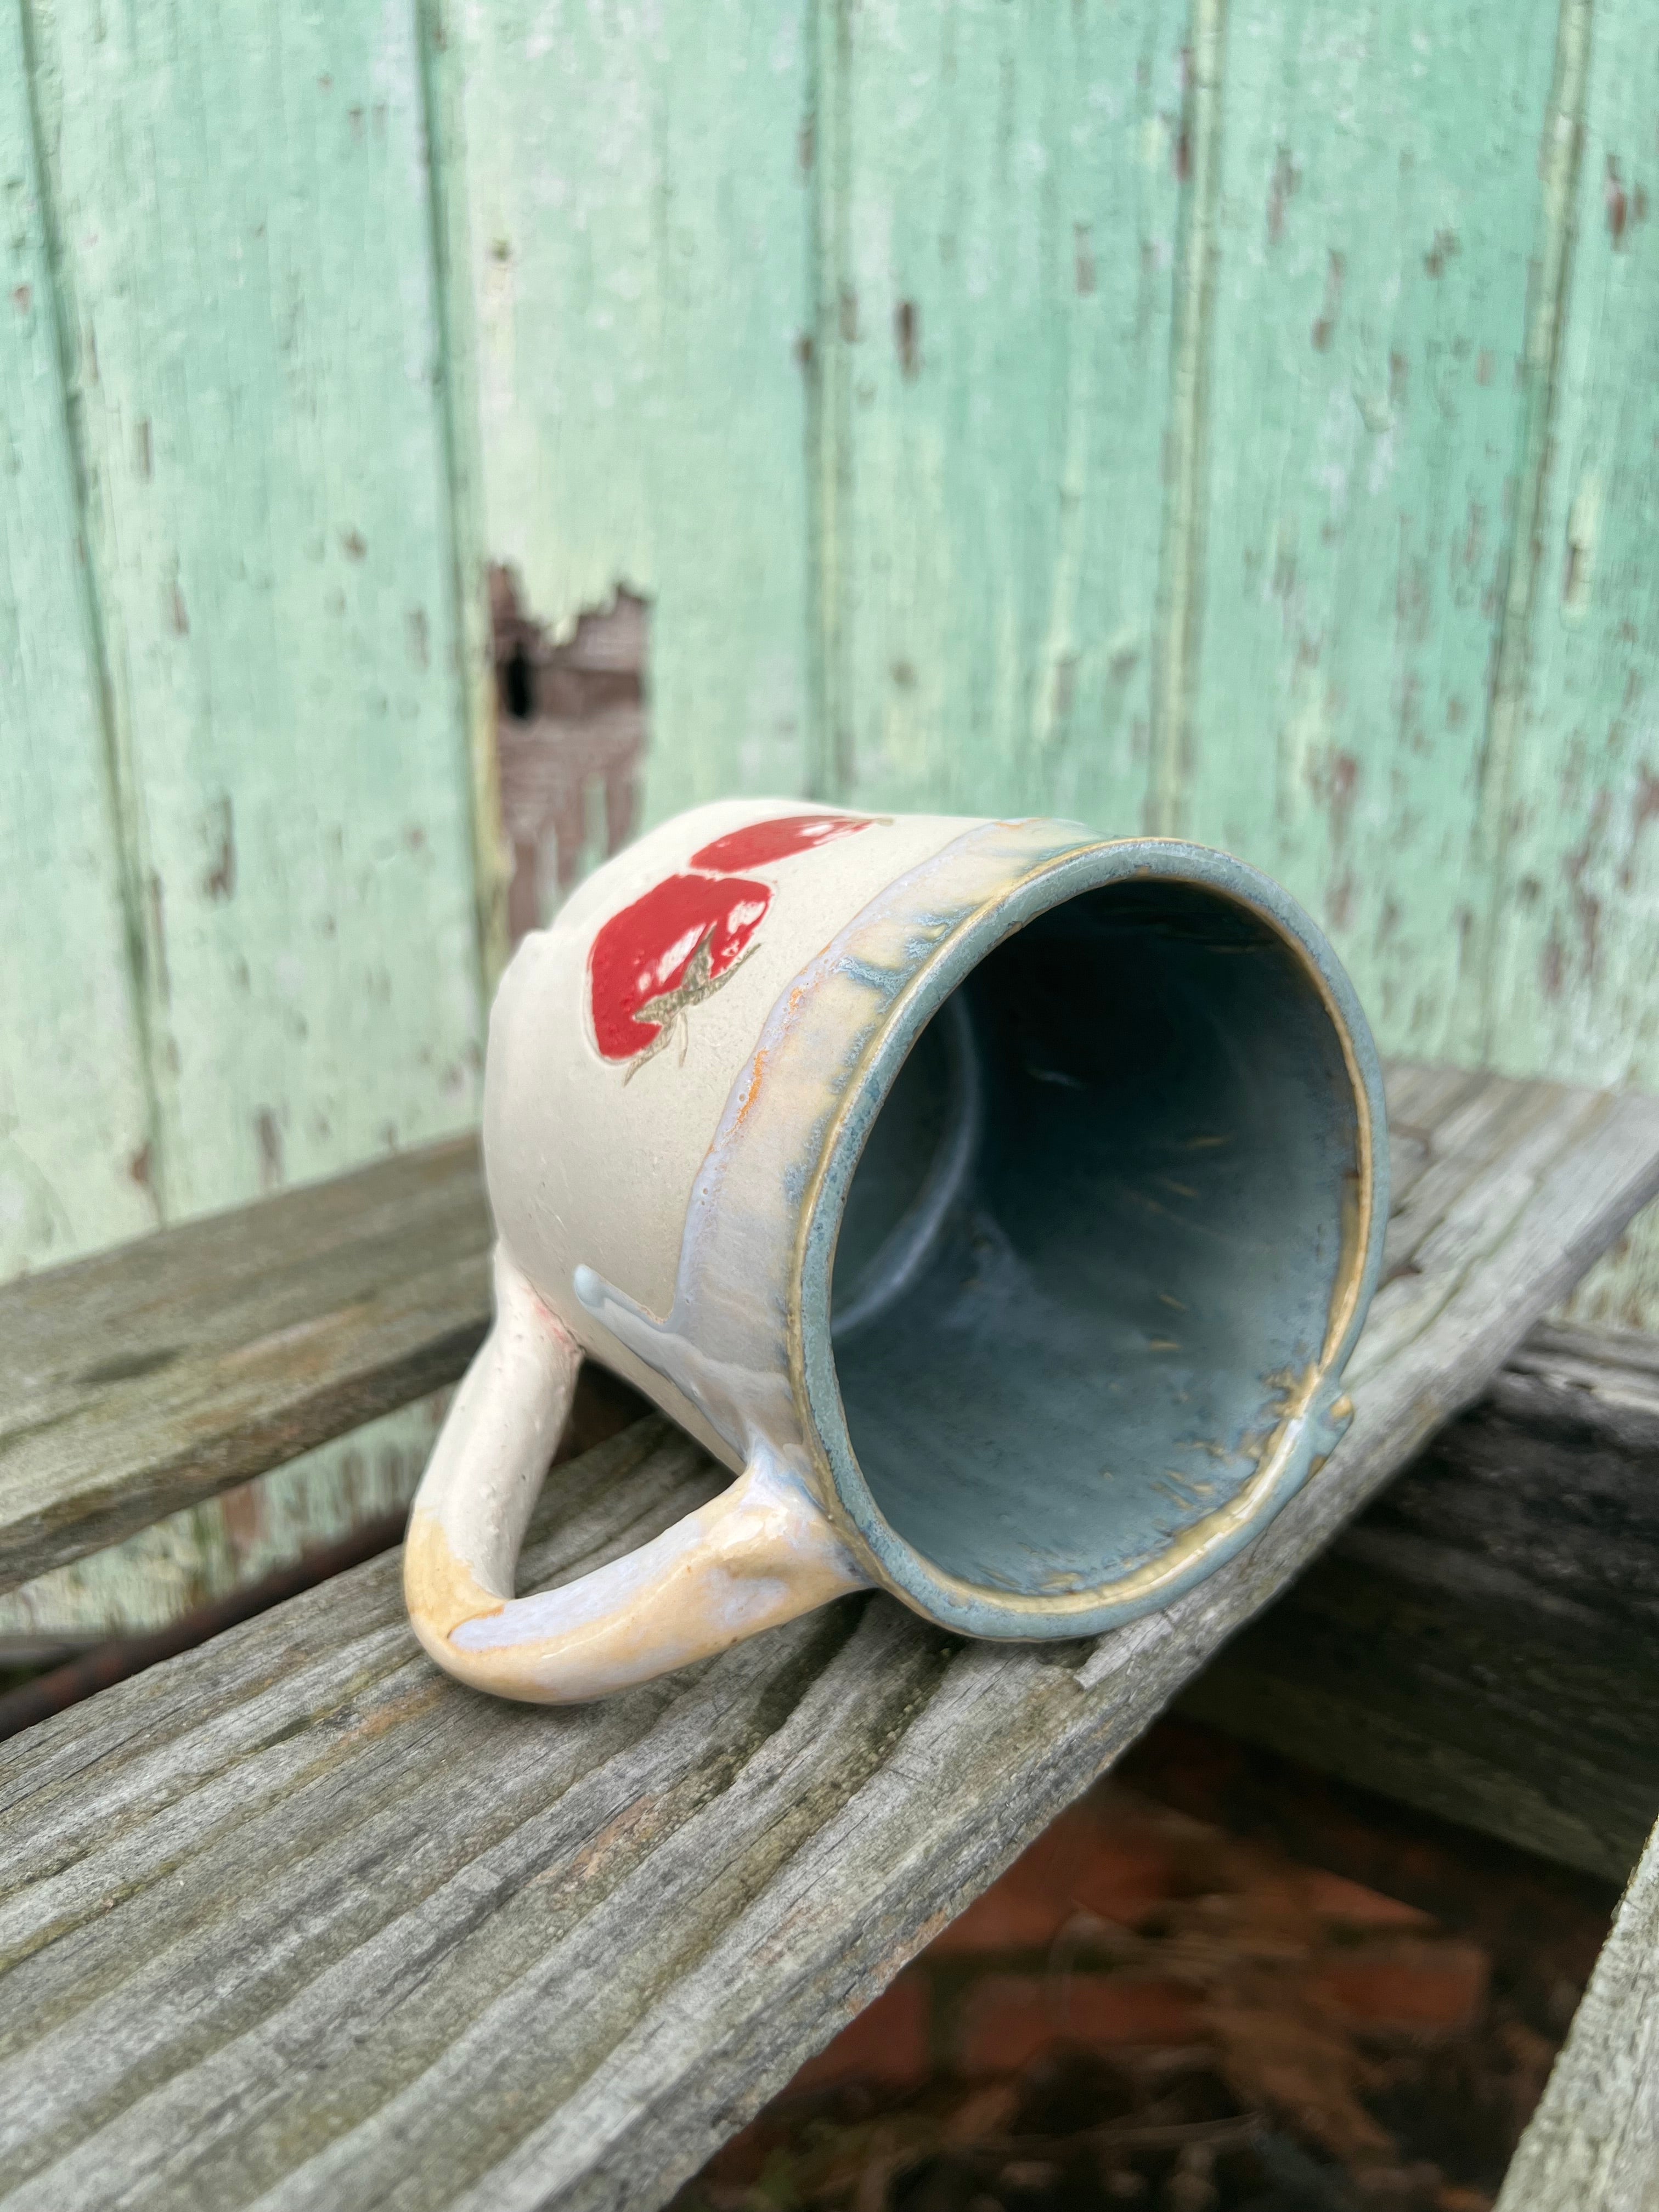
[{"x": 1091, "y": 1249}]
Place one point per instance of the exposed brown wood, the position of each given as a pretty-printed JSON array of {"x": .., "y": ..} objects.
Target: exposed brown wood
[
  {"x": 293, "y": 1918},
  {"x": 1481, "y": 1643},
  {"x": 161, "y": 1373},
  {"x": 570, "y": 740}
]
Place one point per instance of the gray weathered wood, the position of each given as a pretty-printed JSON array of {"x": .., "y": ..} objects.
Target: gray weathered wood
[
  {"x": 1481, "y": 1642},
  {"x": 161, "y": 1373},
  {"x": 294, "y": 1920},
  {"x": 1593, "y": 2143},
  {"x": 1608, "y": 1376}
]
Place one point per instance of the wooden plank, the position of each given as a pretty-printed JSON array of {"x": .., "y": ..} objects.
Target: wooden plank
[
  {"x": 1571, "y": 978},
  {"x": 1593, "y": 2143},
  {"x": 156, "y": 1375},
  {"x": 255, "y": 373},
  {"x": 1365, "y": 413},
  {"x": 465, "y": 543},
  {"x": 638, "y": 215},
  {"x": 254, "y": 349},
  {"x": 75, "y": 1119},
  {"x": 268, "y": 1565},
  {"x": 1348, "y": 438},
  {"x": 147, "y": 1584},
  {"x": 997, "y": 274},
  {"x": 294, "y": 1919},
  {"x": 1580, "y": 869},
  {"x": 1479, "y": 1642}
]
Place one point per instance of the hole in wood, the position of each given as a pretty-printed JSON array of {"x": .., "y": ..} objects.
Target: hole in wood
[{"x": 571, "y": 731}]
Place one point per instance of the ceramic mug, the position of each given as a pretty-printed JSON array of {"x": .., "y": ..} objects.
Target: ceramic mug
[{"x": 997, "y": 1201}]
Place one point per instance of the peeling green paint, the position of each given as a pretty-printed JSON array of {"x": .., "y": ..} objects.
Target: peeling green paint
[
  {"x": 76, "y": 1154},
  {"x": 1574, "y": 984},
  {"x": 1368, "y": 410},
  {"x": 247, "y": 283},
  {"x": 638, "y": 209},
  {"x": 1001, "y": 322},
  {"x": 1175, "y": 669}
]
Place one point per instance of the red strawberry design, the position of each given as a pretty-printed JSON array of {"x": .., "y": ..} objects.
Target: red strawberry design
[
  {"x": 673, "y": 947},
  {"x": 666, "y": 952},
  {"x": 777, "y": 840}
]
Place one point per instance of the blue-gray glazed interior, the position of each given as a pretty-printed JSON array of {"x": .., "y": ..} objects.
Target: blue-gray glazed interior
[{"x": 1091, "y": 1249}]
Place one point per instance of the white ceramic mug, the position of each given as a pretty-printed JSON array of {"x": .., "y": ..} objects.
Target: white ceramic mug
[{"x": 1000, "y": 1202}]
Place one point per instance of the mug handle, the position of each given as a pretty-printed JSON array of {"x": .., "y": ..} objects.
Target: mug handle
[{"x": 759, "y": 1554}]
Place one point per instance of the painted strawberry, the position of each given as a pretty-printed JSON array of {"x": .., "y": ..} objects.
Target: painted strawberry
[
  {"x": 672, "y": 948},
  {"x": 666, "y": 952},
  {"x": 762, "y": 842}
]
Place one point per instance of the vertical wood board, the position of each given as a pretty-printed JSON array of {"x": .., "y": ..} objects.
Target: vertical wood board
[
  {"x": 638, "y": 215},
  {"x": 74, "y": 1116},
  {"x": 1366, "y": 413},
  {"x": 1571, "y": 983},
  {"x": 255, "y": 349},
  {"x": 998, "y": 294},
  {"x": 1579, "y": 939}
]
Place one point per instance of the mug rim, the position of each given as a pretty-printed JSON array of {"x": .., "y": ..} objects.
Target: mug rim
[{"x": 1305, "y": 1432}]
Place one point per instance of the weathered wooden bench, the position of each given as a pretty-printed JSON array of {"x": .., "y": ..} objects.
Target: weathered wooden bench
[
  {"x": 1481, "y": 1641},
  {"x": 293, "y": 1920}
]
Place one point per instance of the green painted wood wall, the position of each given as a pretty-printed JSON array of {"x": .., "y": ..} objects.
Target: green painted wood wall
[{"x": 1238, "y": 417}]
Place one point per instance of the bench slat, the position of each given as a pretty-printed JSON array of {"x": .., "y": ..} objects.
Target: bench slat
[
  {"x": 1480, "y": 1643},
  {"x": 294, "y": 1920},
  {"x": 157, "y": 1375},
  {"x": 1593, "y": 2143}
]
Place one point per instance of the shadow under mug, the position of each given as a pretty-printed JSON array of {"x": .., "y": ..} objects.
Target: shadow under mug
[{"x": 1000, "y": 1203}]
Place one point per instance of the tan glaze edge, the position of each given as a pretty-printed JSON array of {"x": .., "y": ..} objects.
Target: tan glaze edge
[
  {"x": 1357, "y": 1203},
  {"x": 1217, "y": 1530},
  {"x": 759, "y": 1554}
]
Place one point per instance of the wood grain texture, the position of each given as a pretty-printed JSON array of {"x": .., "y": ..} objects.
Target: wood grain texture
[
  {"x": 295, "y": 1921},
  {"x": 1572, "y": 976},
  {"x": 1560, "y": 146},
  {"x": 1366, "y": 413},
  {"x": 223, "y": 1545},
  {"x": 156, "y": 1375},
  {"x": 1479, "y": 1642},
  {"x": 1186, "y": 455},
  {"x": 274, "y": 859},
  {"x": 443, "y": 106},
  {"x": 75, "y": 1110},
  {"x": 253, "y": 350},
  {"x": 637, "y": 183},
  {"x": 1593, "y": 2143},
  {"x": 997, "y": 273}
]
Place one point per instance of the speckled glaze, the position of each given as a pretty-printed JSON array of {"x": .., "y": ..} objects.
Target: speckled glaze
[{"x": 1120, "y": 1225}]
